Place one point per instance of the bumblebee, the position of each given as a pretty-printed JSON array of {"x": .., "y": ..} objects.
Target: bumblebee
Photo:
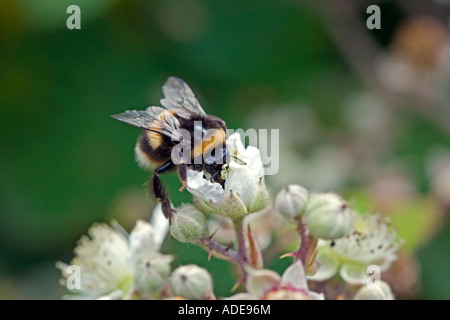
[{"x": 177, "y": 137}]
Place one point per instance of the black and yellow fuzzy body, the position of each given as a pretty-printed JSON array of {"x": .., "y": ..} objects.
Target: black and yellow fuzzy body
[
  {"x": 154, "y": 149},
  {"x": 182, "y": 129}
]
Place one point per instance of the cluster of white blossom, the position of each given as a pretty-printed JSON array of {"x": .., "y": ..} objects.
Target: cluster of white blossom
[{"x": 336, "y": 242}]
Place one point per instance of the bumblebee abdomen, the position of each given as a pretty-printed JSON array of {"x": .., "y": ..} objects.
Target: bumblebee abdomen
[
  {"x": 207, "y": 133},
  {"x": 152, "y": 149}
]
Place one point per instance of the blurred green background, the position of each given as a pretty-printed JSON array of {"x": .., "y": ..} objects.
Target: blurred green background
[{"x": 361, "y": 112}]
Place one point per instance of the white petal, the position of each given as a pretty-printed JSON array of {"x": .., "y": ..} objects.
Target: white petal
[
  {"x": 295, "y": 277},
  {"x": 160, "y": 226},
  {"x": 243, "y": 179},
  {"x": 141, "y": 242},
  {"x": 203, "y": 188},
  {"x": 101, "y": 257},
  {"x": 235, "y": 145},
  {"x": 243, "y": 184},
  {"x": 354, "y": 273},
  {"x": 261, "y": 281},
  {"x": 386, "y": 263},
  {"x": 328, "y": 266},
  {"x": 377, "y": 291},
  {"x": 252, "y": 157}
]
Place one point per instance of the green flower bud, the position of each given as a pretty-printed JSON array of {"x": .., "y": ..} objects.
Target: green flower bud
[
  {"x": 260, "y": 199},
  {"x": 291, "y": 201},
  {"x": 204, "y": 206},
  {"x": 328, "y": 216},
  {"x": 232, "y": 207},
  {"x": 151, "y": 274},
  {"x": 379, "y": 290},
  {"x": 191, "y": 282},
  {"x": 188, "y": 224}
]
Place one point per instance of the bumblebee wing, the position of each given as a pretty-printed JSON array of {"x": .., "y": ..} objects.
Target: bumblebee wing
[
  {"x": 154, "y": 111},
  {"x": 179, "y": 97},
  {"x": 153, "y": 119}
]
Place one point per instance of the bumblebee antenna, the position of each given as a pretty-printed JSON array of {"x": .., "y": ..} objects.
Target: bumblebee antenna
[{"x": 236, "y": 158}]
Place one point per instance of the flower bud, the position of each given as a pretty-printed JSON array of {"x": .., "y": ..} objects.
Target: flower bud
[
  {"x": 232, "y": 207},
  {"x": 203, "y": 206},
  {"x": 260, "y": 198},
  {"x": 379, "y": 290},
  {"x": 328, "y": 216},
  {"x": 188, "y": 224},
  {"x": 191, "y": 282},
  {"x": 291, "y": 201},
  {"x": 151, "y": 274}
]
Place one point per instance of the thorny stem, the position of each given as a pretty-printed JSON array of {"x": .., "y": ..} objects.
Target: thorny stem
[
  {"x": 241, "y": 247},
  {"x": 240, "y": 256},
  {"x": 220, "y": 248},
  {"x": 240, "y": 235},
  {"x": 307, "y": 251}
]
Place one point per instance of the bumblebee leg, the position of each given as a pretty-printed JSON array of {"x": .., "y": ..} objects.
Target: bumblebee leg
[
  {"x": 161, "y": 195},
  {"x": 182, "y": 174},
  {"x": 158, "y": 189},
  {"x": 165, "y": 167}
]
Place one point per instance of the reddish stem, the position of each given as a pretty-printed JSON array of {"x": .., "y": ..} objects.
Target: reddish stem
[
  {"x": 240, "y": 236},
  {"x": 240, "y": 256},
  {"x": 307, "y": 251}
]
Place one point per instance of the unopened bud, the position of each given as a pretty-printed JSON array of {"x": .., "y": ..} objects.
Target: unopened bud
[
  {"x": 379, "y": 290},
  {"x": 188, "y": 224},
  {"x": 328, "y": 216},
  {"x": 191, "y": 282},
  {"x": 291, "y": 201},
  {"x": 151, "y": 274}
]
